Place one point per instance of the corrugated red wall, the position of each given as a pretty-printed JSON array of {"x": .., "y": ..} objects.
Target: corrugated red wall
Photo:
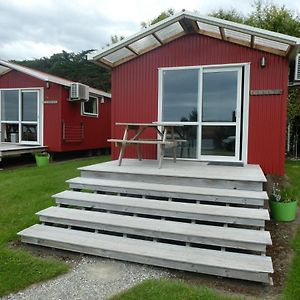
[
  {"x": 135, "y": 93},
  {"x": 96, "y": 130}
]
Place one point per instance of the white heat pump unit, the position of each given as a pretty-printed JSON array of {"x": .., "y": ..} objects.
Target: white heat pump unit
[
  {"x": 297, "y": 67},
  {"x": 79, "y": 92}
]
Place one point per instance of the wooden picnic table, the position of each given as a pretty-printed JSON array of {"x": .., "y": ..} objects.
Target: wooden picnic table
[{"x": 162, "y": 128}]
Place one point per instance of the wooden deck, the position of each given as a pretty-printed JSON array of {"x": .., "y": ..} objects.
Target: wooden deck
[
  {"x": 8, "y": 149},
  {"x": 189, "y": 216}
]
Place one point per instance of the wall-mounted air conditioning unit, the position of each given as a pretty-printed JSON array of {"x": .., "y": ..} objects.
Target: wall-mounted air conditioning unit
[
  {"x": 79, "y": 92},
  {"x": 297, "y": 67}
]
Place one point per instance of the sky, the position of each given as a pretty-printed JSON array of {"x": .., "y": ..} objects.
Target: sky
[{"x": 32, "y": 29}]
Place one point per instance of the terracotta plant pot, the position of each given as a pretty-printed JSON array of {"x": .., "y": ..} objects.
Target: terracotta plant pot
[{"x": 283, "y": 211}]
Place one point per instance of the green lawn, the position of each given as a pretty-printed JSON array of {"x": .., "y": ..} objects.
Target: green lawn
[
  {"x": 292, "y": 169},
  {"x": 170, "y": 290},
  {"x": 25, "y": 191},
  {"x": 292, "y": 286}
]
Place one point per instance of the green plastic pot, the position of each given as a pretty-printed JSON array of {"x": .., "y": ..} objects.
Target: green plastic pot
[
  {"x": 283, "y": 211},
  {"x": 42, "y": 159}
]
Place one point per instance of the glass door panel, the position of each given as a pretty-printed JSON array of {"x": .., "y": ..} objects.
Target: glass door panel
[
  {"x": 29, "y": 106},
  {"x": 189, "y": 148},
  {"x": 29, "y": 116},
  {"x": 218, "y": 140},
  {"x": 180, "y": 90},
  {"x": 180, "y": 95},
  {"x": 219, "y": 97},
  {"x": 220, "y": 120},
  {"x": 10, "y": 105}
]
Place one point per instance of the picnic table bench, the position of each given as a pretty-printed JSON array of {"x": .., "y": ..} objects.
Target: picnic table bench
[{"x": 162, "y": 128}]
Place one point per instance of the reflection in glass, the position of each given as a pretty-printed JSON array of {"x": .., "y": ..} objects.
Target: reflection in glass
[
  {"x": 187, "y": 149},
  {"x": 10, "y": 105},
  {"x": 218, "y": 140},
  {"x": 180, "y": 95},
  {"x": 219, "y": 96},
  {"x": 29, "y": 106},
  {"x": 29, "y": 132},
  {"x": 10, "y": 133}
]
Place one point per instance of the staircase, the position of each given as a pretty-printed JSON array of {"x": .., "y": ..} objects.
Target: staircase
[{"x": 188, "y": 216}]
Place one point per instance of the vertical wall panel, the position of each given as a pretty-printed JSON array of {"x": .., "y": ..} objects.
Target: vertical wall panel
[{"x": 135, "y": 92}]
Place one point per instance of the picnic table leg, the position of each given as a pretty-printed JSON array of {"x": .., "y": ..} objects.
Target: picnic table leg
[
  {"x": 122, "y": 150},
  {"x": 174, "y": 147},
  {"x": 139, "y": 152},
  {"x": 162, "y": 147}
]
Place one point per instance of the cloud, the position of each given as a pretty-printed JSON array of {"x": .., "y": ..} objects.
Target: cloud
[{"x": 34, "y": 28}]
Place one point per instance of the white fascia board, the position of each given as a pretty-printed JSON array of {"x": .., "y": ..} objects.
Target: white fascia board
[{"x": 99, "y": 93}]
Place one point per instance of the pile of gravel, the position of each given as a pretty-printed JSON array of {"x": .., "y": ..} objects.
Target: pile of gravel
[{"x": 92, "y": 278}]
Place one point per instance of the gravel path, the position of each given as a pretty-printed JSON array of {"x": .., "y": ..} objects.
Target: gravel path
[{"x": 92, "y": 278}]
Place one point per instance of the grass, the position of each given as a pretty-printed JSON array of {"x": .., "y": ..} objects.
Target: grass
[
  {"x": 292, "y": 169},
  {"x": 25, "y": 191},
  {"x": 292, "y": 285},
  {"x": 165, "y": 290}
]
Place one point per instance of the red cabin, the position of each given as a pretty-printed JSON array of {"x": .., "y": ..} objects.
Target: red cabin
[
  {"x": 40, "y": 109},
  {"x": 227, "y": 83}
]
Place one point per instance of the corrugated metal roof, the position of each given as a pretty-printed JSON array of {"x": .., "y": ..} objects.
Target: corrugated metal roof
[
  {"x": 186, "y": 22},
  {"x": 7, "y": 66}
]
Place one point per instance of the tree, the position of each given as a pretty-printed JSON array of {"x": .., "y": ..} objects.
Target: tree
[
  {"x": 275, "y": 18},
  {"x": 72, "y": 66},
  {"x": 230, "y": 15},
  {"x": 163, "y": 15}
]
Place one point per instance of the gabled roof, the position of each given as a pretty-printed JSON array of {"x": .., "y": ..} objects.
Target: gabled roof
[
  {"x": 186, "y": 22},
  {"x": 8, "y": 66}
]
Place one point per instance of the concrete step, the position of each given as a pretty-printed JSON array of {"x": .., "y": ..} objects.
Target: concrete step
[
  {"x": 197, "y": 174},
  {"x": 188, "y": 193},
  {"x": 252, "y": 240},
  {"x": 227, "y": 264},
  {"x": 199, "y": 212}
]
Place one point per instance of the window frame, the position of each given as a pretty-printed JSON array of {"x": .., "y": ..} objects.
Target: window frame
[{"x": 88, "y": 114}]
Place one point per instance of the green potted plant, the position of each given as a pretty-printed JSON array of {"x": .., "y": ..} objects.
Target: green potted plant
[
  {"x": 42, "y": 159},
  {"x": 283, "y": 203}
]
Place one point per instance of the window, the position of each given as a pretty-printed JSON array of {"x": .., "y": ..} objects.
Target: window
[
  {"x": 90, "y": 107},
  {"x": 19, "y": 116}
]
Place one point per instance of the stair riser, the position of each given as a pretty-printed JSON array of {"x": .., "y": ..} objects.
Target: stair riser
[
  {"x": 155, "y": 234},
  {"x": 246, "y": 275},
  {"x": 185, "y": 196},
  {"x": 163, "y": 213},
  {"x": 186, "y": 181}
]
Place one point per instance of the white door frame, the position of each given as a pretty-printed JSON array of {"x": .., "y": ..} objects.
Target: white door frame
[{"x": 244, "y": 71}]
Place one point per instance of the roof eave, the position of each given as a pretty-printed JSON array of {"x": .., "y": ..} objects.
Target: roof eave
[{"x": 293, "y": 42}]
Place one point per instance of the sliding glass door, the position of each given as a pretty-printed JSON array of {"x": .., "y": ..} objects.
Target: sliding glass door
[
  {"x": 207, "y": 102},
  {"x": 19, "y": 116}
]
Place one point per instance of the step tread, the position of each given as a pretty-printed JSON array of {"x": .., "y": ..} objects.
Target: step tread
[
  {"x": 173, "y": 253},
  {"x": 170, "y": 188},
  {"x": 215, "y": 210},
  {"x": 193, "y": 169},
  {"x": 159, "y": 226}
]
